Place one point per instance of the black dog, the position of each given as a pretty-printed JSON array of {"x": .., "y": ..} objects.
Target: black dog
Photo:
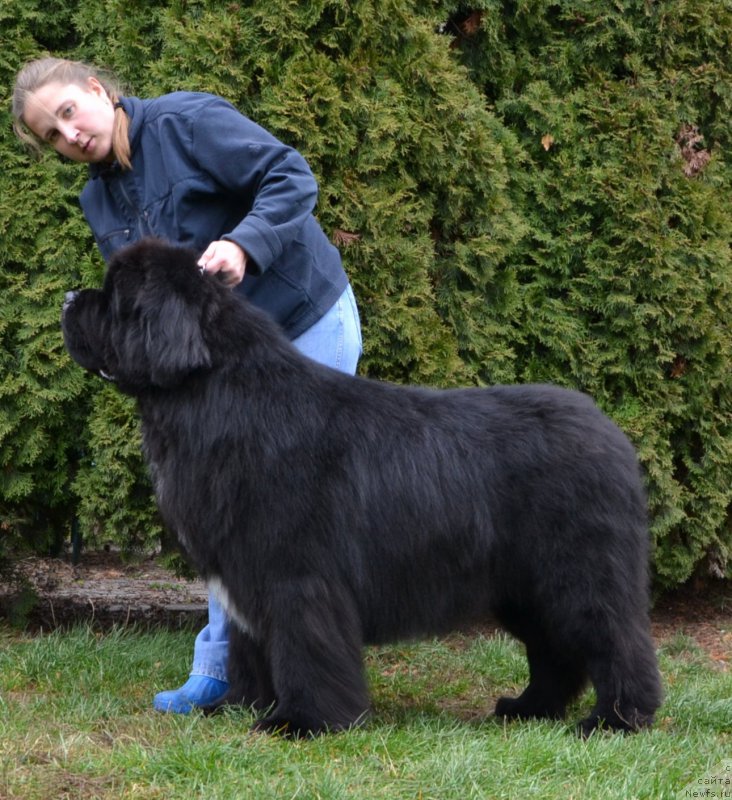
[{"x": 329, "y": 512}]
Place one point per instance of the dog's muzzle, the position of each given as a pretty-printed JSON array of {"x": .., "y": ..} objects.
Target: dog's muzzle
[{"x": 68, "y": 300}]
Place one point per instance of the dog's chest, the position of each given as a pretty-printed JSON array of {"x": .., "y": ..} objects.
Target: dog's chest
[{"x": 221, "y": 593}]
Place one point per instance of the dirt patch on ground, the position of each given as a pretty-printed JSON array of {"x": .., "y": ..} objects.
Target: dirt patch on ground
[
  {"x": 104, "y": 590},
  {"x": 701, "y": 611}
]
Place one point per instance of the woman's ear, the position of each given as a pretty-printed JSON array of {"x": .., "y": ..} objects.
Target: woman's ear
[{"x": 94, "y": 85}]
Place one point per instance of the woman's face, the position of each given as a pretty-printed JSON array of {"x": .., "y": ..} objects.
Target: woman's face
[{"x": 77, "y": 121}]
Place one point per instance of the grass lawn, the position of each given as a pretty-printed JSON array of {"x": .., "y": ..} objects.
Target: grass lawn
[{"x": 76, "y": 722}]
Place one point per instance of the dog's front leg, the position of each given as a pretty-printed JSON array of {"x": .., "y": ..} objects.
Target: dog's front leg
[
  {"x": 249, "y": 674},
  {"x": 314, "y": 648}
]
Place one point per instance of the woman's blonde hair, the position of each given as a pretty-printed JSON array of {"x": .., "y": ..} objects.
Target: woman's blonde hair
[{"x": 39, "y": 73}]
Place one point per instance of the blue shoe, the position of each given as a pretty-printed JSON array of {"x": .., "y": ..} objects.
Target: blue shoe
[{"x": 197, "y": 691}]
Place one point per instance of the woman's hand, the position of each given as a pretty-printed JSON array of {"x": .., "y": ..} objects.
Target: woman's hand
[{"x": 227, "y": 258}]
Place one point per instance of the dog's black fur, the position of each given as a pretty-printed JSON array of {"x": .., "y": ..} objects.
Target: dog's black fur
[{"x": 332, "y": 511}]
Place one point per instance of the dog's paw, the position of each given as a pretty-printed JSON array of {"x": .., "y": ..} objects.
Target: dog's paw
[
  {"x": 234, "y": 700},
  {"x": 518, "y": 708},
  {"x": 301, "y": 725},
  {"x": 288, "y": 728},
  {"x": 614, "y": 722}
]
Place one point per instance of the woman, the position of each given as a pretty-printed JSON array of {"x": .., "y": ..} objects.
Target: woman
[{"x": 190, "y": 168}]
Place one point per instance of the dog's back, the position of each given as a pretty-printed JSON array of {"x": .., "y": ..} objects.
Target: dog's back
[{"x": 482, "y": 489}]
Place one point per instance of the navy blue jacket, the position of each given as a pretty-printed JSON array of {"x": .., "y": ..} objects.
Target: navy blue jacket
[{"x": 201, "y": 171}]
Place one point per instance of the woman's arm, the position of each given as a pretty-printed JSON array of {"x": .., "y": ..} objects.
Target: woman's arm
[{"x": 249, "y": 162}]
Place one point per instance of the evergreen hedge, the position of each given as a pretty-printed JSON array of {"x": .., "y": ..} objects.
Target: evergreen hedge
[
  {"x": 521, "y": 191},
  {"x": 622, "y": 111}
]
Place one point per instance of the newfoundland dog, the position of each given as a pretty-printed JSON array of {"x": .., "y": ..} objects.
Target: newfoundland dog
[{"x": 328, "y": 511}]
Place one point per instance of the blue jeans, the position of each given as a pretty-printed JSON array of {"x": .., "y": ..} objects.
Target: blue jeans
[{"x": 334, "y": 340}]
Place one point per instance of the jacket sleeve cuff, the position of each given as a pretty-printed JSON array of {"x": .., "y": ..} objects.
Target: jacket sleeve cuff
[{"x": 258, "y": 241}]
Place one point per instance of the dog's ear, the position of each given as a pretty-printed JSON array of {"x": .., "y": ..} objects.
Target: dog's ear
[
  {"x": 173, "y": 338},
  {"x": 157, "y": 308}
]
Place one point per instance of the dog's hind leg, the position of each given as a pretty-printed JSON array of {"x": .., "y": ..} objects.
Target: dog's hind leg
[
  {"x": 314, "y": 648},
  {"x": 555, "y": 678},
  {"x": 627, "y": 682}
]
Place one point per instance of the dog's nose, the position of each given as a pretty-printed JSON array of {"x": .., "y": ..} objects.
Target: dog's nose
[{"x": 69, "y": 299}]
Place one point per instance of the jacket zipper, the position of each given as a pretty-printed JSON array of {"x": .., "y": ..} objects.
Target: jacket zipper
[{"x": 143, "y": 221}]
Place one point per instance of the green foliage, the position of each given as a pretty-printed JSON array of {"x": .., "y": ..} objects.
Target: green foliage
[
  {"x": 41, "y": 393},
  {"x": 113, "y": 490},
  {"x": 521, "y": 191},
  {"x": 625, "y": 275}
]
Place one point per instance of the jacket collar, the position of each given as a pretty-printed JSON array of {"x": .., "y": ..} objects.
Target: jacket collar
[{"x": 134, "y": 109}]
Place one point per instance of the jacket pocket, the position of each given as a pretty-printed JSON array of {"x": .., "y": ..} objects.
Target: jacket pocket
[{"x": 113, "y": 241}]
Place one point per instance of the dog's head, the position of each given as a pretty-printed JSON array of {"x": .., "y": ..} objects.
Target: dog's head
[{"x": 145, "y": 327}]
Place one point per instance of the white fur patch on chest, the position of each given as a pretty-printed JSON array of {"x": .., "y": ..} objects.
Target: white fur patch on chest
[{"x": 221, "y": 593}]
